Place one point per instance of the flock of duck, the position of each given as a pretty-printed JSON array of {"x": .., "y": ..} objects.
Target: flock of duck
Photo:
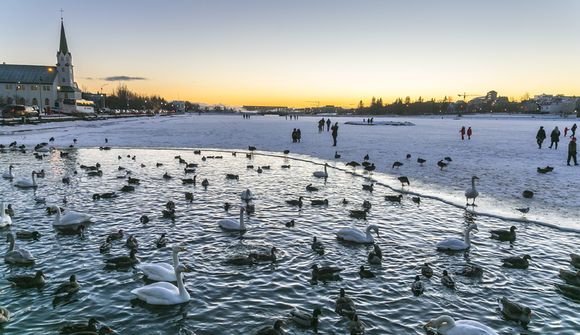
[{"x": 168, "y": 287}]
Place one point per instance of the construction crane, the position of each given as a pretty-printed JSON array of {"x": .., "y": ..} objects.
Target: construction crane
[
  {"x": 316, "y": 102},
  {"x": 464, "y": 95}
]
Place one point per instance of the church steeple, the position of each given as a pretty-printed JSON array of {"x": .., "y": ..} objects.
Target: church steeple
[{"x": 63, "y": 46}]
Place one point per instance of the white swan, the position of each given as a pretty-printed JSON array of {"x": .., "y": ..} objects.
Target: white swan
[
  {"x": 8, "y": 175},
  {"x": 246, "y": 195},
  {"x": 4, "y": 315},
  {"x": 16, "y": 255},
  {"x": 162, "y": 271},
  {"x": 471, "y": 193},
  {"x": 5, "y": 219},
  {"x": 321, "y": 174},
  {"x": 229, "y": 224},
  {"x": 356, "y": 235},
  {"x": 26, "y": 183},
  {"x": 70, "y": 219},
  {"x": 164, "y": 293},
  {"x": 445, "y": 325},
  {"x": 456, "y": 244}
]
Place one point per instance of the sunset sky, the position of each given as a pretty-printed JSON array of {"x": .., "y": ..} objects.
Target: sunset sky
[{"x": 301, "y": 51}]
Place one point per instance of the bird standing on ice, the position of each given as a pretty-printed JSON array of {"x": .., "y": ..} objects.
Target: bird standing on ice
[{"x": 471, "y": 193}]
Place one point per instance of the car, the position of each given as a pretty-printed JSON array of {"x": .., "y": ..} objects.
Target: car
[{"x": 19, "y": 111}]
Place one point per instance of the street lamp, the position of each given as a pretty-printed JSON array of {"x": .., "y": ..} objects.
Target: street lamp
[{"x": 40, "y": 89}]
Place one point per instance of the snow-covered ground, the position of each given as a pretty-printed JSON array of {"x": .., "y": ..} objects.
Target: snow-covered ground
[{"x": 502, "y": 153}]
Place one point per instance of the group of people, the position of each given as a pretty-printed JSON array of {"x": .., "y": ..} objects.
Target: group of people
[
  {"x": 555, "y": 138},
  {"x": 321, "y": 123},
  {"x": 296, "y": 135},
  {"x": 369, "y": 120},
  {"x": 246, "y": 116},
  {"x": 291, "y": 116},
  {"x": 469, "y": 132}
]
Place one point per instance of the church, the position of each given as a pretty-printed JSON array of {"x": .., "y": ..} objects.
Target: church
[{"x": 45, "y": 86}]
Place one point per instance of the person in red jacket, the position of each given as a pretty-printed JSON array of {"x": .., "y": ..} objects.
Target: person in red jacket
[
  {"x": 469, "y": 132},
  {"x": 462, "y": 132}
]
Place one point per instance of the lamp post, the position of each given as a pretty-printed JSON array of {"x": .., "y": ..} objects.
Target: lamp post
[
  {"x": 103, "y": 102},
  {"x": 40, "y": 89}
]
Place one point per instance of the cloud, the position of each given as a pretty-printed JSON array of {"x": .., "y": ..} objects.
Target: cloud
[{"x": 123, "y": 78}]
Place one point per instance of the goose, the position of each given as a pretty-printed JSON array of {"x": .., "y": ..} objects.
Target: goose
[
  {"x": 321, "y": 174},
  {"x": 4, "y": 315},
  {"x": 426, "y": 270},
  {"x": 570, "y": 277},
  {"x": 131, "y": 242},
  {"x": 396, "y": 164},
  {"x": 471, "y": 193},
  {"x": 514, "y": 311},
  {"x": 352, "y": 164},
  {"x": 162, "y": 271},
  {"x": 456, "y": 244},
  {"x": 272, "y": 330},
  {"x": 8, "y": 175},
  {"x": 27, "y": 281},
  {"x": 344, "y": 304},
  {"x": 364, "y": 273},
  {"x": 336, "y": 155},
  {"x": 421, "y": 161},
  {"x": 122, "y": 261},
  {"x": 311, "y": 188},
  {"x": 246, "y": 195},
  {"x": 235, "y": 225},
  {"x": 447, "y": 280},
  {"x": 394, "y": 198},
  {"x": 70, "y": 219},
  {"x": 517, "y": 262},
  {"x": 5, "y": 219},
  {"x": 317, "y": 246},
  {"x": 445, "y": 325},
  {"x": 319, "y": 202},
  {"x": 441, "y": 164},
  {"x": 504, "y": 235},
  {"x": 26, "y": 183},
  {"x": 269, "y": 257},
  {"x": 575, "y": 260},
  {"x": 90, "y": 326},
  {"x": 417, "y": 287},
  {"x": 16, "y": 255},
  {"x": 404, "y": 180},
  {"x": 106, "y": 246},
  {"x": 304, "y": 319},
  {"x": 325, "y": 273},
  {"x": 70, "y": 287},
  {"x": 28, "y": 235},
  {"x": 161, "y": 242},
  {"x": 295, "y": 202},
  {"x": 471, "y": 270},
  {"x": 356, "y": 235}
]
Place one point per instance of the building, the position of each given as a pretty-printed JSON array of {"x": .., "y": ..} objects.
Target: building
[{"x": 41, "y": 85}]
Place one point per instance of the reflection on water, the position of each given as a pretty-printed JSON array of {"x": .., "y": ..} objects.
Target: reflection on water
[{"x": 228, "y": 299}]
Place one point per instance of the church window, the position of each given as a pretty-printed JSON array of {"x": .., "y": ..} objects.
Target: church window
[
  {"x": 46, "y": 88},
  {"x": 33, "y": 88},
  {"x": 20, "y": 87},
  {"x": 8, "y": 86}
]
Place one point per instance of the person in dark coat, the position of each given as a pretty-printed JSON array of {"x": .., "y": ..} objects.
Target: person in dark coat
[
  {"x": 469, "y": 132},
  {"x": 298, "y": 135},
  {"x": 540, "y": 137},
  {"x": 565, "y": 131},
  {"x": 294, "y": 137},
  {"x": 555, "y": 137},
  {"x": 334, "y": 133},
  {"x": 462, "y": 132},
  {"x": 328, "y": 123},
  {"x": 573, "y": 129},
  {"x": 572, "y": 151}
]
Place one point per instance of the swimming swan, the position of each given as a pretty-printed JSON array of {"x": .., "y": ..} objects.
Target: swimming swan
[
  {"x": 445, "y": 325},
  {"x": 5, "y": 219},
  {"x": 162, "y": 271},
  {"x": 455, "y": 244},
  {"x": 26, "y": 183},
  {"x": 69, "y": 220},
  {"x": 8, "y": 175},
  {"x": 356, "y": 235},
  {"x": 229, "y": 224},
  {"x": 321, "y": 174},
  {"x": 164, "y": 293},
  {"x": 16, "y": 255},
  {"x": 246, "y": 196}
]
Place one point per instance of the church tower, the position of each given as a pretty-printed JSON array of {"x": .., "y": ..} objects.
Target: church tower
[{"x": 67, "y": 88}]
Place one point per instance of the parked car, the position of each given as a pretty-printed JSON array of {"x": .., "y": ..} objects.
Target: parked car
[{"x": 18, "y": 111}]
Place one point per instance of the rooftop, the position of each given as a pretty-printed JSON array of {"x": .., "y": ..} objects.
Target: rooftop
[{"x": 27, "y": 74}]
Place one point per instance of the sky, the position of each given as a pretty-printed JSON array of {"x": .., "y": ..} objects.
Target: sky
[{"x": 304, "y": 52}]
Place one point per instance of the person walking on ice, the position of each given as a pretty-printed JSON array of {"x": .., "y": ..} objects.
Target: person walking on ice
[
  {"x": 462, "y": 132},
  {"x": 572, "y": 151},
  {"x": 555, "y": 137},
  {"x": 334, "y": 133},
  {"x": 540, "y": 137},
  {"x": 469, "y": 132}
]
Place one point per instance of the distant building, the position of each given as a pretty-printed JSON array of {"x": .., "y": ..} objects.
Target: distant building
[
  {"x": 557, "y": 104},
  {"x": 178, "y": 105},
  {"x": 41, "y": 85}
]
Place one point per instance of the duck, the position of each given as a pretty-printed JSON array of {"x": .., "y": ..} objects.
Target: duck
[
  {"x": 396, "y": 164},
  {"x": 106, "y": 246},
  {"x": 28, "y": 235},
  {"x": 234, "y": 225},
  {"x": 471, "y": 193},
  {"x": 122, "y": 261},
  {"x": 471, "y": 270},
  {"x": 355, "y": 326},
  {"x": 272, "y": 330},
  {"x": 426, "y": 270},
  {"x": 246, "y": 196},
  {"x": 70, "y": 287},
  {"x": 317, "y": 246},
  {"x": 376, "y": 255},
  {"x": 456, "y": 244},
  {"x": 116, "y": 235},
  {"x": 353, "y": 164},
  {"x": 517, "y": 262},
  {"x": 189, "y": 196},
  {"x": 27, "y": 281},
  {"x": 162, "y": 271},
  {"x": 570, "y": 277},
  {"x": 8, "y": 175},
  {"x": 69, "y": 220},
  {"x": 394, "y": 198},
  {"x": 504, "y": 235},
  {"x": 417, "y": 287},
  {"x": 167, "y": 176},
  {"x": 161, "y": 242},
  {"x": 368, "y": 187},
  {"x": 528, "y": 194},
  {"x": 321, "y": 174},
  {"x": 168, "y": 213},
  {"x": 26, "y": 183},
  {"x": 90, "y": 326},
  {"x": 523, "y": 210},
  {"x": 311, "y": 188},
  {"x": 241, "y": 260},
  {"x": 441, "y": 164},
  {"x": 205, "y": 183},
  {"x": 447, "y": 280},
  {"x": 366, "y": 157},
  {"x": 269, "y": 257},
  {"x": 370, "y": 168},
  {"x": 4, "y": 315},
  {"x": 5, "y": 219},
  {"x": 336, "y": 155},
  {"x": 421, "y": 161},
  {"x": 404, "y": 181},
  {"x": 231, "y": 176},
  {"x": 133, "y": 181},
  {"x": 127, "y": 188},
  {"x": 575, "y": 260},
  {"x": 344, "y": 305},
  {"x": 16, "y": 255},
  {"x": 188, "y": 181},
  {"x": 355, "y": 235},
  {"x": 545, "y": 169},
  {"x": 569, "y": 290},
  {"x": 446, "y": 325},
  {"x": 144, "y": 219},
  {"x": 259, "y": 169},
  {"x": 305, "y": 319},
  {"x": 290, "y": 223},
  {"x": 285, "y": 166},
  {"x": 295, "y": 202},
  {"x": 364, "y": 273},
  {"x": 325, "y": 273},
  {"x": 319, "y": 202},
  {"x": 358, "y": 214},
  {"x": 416, "y": 200},
  {"x": 131, "y": 242},
  {"x": 511, "y": 310}
]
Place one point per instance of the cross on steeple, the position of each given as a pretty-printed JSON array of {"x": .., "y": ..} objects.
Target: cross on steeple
[{"x": 61, "y": 11}]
